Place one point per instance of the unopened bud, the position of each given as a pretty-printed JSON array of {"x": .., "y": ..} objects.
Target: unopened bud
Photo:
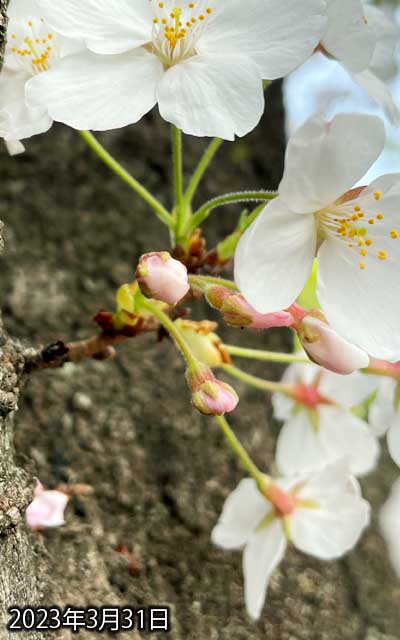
[
  {"x": 47, "y": 509},
  {"x": 210, "y": 396},
  {"x": 328, "y": 349},
  {"x": 162, "y": 278},
  {"x": 215, "y": 398},
  {"x": 238, "y": 312},
  {"x": 197, "y": 374}
]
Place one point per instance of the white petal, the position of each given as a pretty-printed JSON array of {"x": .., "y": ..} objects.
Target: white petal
[
  {"x": 14, "y": 147},
  {"x": 349, "y": 37},
  {"x": 348, "y": 391},
  {"x": 393, "y": 439},
  {"x": 22, "y": 10},
  {"x": 389, "y": 521},
  {"x": 343, "y": 434},
  {"x": 325, "y": 485},
  {"x": 327, "y": 348},
  {"x": 319, "y": 168},
  {"x": 330, "y": 533},
  {"x": 87, "y": 91},
  {"x": 334, "y": 528},
  {"x": 261, "y": 556},
  {"x": 387, "y": 33},
  {"x": 106, "y": 26},
  {"x": 17, "y": 119},
  {"x": 274, "y": 257},
  {"x": 243, "y": 510},
  {"x": 299, "y": 448},
  {"x": 379, "y": 91},
  {"x": 382, "y": 411},
  {"x": 212, "y": 96},
  {"x": 340, "y": 434},
  {"x": 282, "y": 406},
  {"x": 278, "y": 36},
  {"x": 364, "y": 305}
]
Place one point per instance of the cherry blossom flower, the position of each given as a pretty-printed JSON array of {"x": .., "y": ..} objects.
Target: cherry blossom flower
[
  {"x": 47, "y": 509},
  {"x": 162, "y": 277},
  {"x": 319, "y": 426},
  {"x": 355, "y": 234},
  {"x": 363, "y": 40},
  {"x": 201, "y": 61},
  {"x": 389, "y": 520},
  {"x": 33, "y": 50},
  {"x": 322, "y": 514},
  {"x": 384, "y": 415}
]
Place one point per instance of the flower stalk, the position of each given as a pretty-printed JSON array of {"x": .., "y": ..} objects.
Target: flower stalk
[
  {"x": 126, "y": 177},
  {"x": 255, "y": 381},
  {"x": 240, "y": 451},
  {"x": 179, "y": 207},
  {"x": 266, "y": 356},
  {"x": 230, "y": 198},
  {"x": 200, "y": 170}
]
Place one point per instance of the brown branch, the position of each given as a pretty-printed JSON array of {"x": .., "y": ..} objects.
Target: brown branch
[{"x": 98, "y": 347}]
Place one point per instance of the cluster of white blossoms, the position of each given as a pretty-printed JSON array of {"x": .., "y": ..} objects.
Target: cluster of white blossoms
[
  {"x": 101, "y": 65},
  {"x": 104, "y": 64}
]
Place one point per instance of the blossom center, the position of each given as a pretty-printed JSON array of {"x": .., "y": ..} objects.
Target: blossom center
[
  {"x": 177, "y": 28},
  {"x": 31, "y": 46},
  {"x": 362, "y": 232}
]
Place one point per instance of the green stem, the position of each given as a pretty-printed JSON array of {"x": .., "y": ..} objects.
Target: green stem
[
  {"x": 230, "y": 198},
  {"x": 254, "y": 381},
  {"x": 126, "y": 177},
  {"x": 178, "y": 179},
  {"x": 270, "y": 356},
  {"x": 201, "y": 169},
  {"x": 240, "y": 451},
  {"x": 202, "y": 281},
  {"x": 172, "y": 329}
]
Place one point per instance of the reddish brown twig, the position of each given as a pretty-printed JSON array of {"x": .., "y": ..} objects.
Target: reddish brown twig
[{"x": 99, "y": 346}]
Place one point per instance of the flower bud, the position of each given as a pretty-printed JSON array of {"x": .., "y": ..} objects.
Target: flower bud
[
  {"x": 46, "y": 509},
  {"x": 238, "y": 312},
  {"x": 328, "y": 349},
  {"x": 210, "y": 396},
  {"x": 215, "y": 398},
  {"x": 162, "y": 278}
]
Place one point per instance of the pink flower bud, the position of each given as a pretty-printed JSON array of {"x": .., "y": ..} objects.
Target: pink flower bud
[
  {"x": 215, "y": 398},
  {"x": 46, "y": 509},
  {"x": 210, "y": 396},
  {"x": 328, "y": 349},
  {"x": 162, "y": 278},
  {"x": 239, "y": 313}
]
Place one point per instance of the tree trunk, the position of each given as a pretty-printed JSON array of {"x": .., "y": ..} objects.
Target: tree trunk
[
  {"x": 159, "y": 471},
  {"x": 3, "y": 28}
]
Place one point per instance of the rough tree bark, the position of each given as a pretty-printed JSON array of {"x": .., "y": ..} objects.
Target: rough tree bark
[
  {"x": 3, "y": 28},
  {"x": 160, "y": 472},
  {"x": 18, "y": 566}
]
